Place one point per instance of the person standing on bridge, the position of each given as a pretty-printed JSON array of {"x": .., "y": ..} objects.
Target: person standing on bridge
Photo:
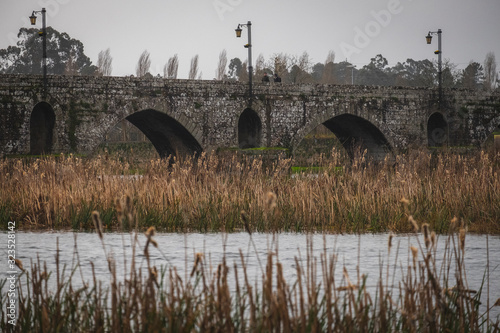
[
  {"x": 265, "y": 78},
  {"x": 276, "y": 78}
]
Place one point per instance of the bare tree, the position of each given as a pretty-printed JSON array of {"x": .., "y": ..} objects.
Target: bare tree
[
  {"x": 171, "y": 67},
  {"x": 259, "y": 66},
  {"x": 104, "y": 61},
  {"x": 220, "y": 73},
  {"x": 305, "y": 65},
  {"x": 193, "y": 71},
  {"x": 328, "y": 76},
  {"x": 143, "y": 64},
  {"x": 301, "y": 68},
  {"x": 490, "y": 72}
]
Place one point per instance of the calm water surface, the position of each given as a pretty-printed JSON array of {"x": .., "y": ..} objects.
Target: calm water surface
[{"x": 368, "y": 251}]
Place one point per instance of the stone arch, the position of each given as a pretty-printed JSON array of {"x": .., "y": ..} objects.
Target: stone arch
[
  {"x": 168, "y": 135},
  {"x": 437, "y": 130},
  {"x": 42, "y": 122},
  {"x": 249, "y": 129},
  {"x": 355, "y": 132}
]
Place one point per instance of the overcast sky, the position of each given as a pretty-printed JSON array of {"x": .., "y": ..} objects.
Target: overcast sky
[{"x": 355, "y": 30}]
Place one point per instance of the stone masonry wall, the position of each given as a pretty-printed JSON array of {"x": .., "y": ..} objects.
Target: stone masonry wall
[{"x": 87, "y": 107}]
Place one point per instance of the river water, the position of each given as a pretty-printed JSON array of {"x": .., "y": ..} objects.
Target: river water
[{"x": 368, "y": 251}]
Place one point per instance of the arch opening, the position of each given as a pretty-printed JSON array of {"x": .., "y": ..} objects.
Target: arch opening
[
  {"x": 42, "y": 122},
  {"x": 167, "y": 135},
  {"x": 249, "y": 129},
  {"x": 437, "y": 130},
  {"x": 356, "y": 133}
]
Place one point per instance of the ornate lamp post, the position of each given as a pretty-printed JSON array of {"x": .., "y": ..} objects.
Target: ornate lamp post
[
  {"x": 249, "y": 47},
  {"x": 43, "y": 34},
  {"x": 439, "y": 51}
]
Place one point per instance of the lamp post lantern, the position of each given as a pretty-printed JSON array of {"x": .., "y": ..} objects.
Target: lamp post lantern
[
  {"x": 43, "y": 34},
  {"x": 249, "y": 47},
  {"x": 439, "y": 52}
]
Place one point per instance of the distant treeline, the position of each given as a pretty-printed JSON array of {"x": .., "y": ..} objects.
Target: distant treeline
[
  {"x": 412, "y": 73},
  {"x": 66, "y": 57}
]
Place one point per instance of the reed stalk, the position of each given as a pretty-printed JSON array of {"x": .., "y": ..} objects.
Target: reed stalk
[
  {"x": 429, "y": 297},
  {"x": 208, "y": 194}
]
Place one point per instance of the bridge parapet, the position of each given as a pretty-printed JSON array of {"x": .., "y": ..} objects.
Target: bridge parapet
[{"x": 193, "y": 115}]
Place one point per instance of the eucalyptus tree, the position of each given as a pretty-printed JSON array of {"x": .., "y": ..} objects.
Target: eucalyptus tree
[{"x": 63, "y": 54}]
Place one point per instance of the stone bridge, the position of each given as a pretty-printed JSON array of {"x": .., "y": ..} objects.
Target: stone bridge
[{"x": 187, "y": 116}]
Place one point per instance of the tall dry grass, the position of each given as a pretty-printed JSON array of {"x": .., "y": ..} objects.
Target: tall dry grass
[
  {"x": 432, "y": 295},
  {"x": 208, "y": 194}
]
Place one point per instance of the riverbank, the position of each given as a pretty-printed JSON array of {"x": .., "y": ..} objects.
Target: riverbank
[
  {"x": 211, "y": 193},
  {"x": 249, "y": 282}
]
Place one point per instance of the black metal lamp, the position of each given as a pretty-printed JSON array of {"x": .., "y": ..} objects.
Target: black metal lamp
[
  {"x": 33, "y": 18},
  {"x": 428, "y": 38},
  {"x": 238, "y": 31}
]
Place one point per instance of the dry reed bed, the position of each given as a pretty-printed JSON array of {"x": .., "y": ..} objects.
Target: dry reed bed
[
  {"x": 432, "y": 295},
  {"x": 209, "y": 193}
]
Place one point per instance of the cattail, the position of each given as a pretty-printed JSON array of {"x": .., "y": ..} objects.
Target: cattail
[
  {"x": 433, "y": 239},
  {"x": 414, "y": 252},
  {"x": 97, "y": 223},
  {"x": 150, "y": 232},
  {"x": 244, "y": 218},
  {"x": 197, "y": 261},
  {"x": 405, "y": 201},
  {"x": 497, "y": 303},
  {"x": 154, "y": 273},
  {"x": 453, "y": 224},
  {"x": 414, "y": 223},
  {"x": 271, "y": 200},
  {"x": 425, "y": 228},
  {"x": 462, "y": 238},
  {"x": 19, "y": 264},
  {"x": 389, "y": 245}
]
